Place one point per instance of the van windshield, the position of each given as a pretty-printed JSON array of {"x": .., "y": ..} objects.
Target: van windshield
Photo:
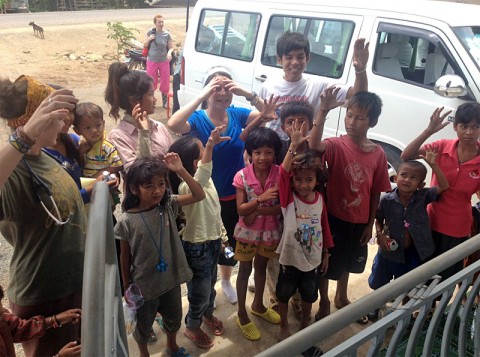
[{"x": 470, "y": 38}]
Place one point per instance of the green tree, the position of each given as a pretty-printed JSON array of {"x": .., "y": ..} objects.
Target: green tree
[{"x": 121, "y": 35}]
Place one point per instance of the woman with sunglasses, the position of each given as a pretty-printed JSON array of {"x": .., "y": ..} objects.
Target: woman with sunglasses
[{"x": 42, "y": 214}]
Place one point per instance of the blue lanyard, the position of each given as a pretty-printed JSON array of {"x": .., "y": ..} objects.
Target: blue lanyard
[{"x": 162, "y": 265}]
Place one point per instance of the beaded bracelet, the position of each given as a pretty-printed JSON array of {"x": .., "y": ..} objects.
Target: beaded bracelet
[
  {"x": 55, "y": 322},
  {"x": 23, "y": 136},
  {"x": 361, "y": 71},
  {"x": 18, "y": 143},
  {"x": 293, "y": 153}
]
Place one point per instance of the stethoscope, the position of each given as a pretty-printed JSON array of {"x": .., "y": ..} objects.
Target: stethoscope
[{"x": 38, "y": 185}]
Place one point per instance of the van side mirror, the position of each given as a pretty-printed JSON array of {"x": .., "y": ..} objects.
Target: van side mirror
[{"x": 451, "y": 86}]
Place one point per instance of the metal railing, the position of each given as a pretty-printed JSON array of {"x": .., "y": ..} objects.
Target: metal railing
[
  {"x": 423, "y": 287},
  {"x": 103, "y": 325}
]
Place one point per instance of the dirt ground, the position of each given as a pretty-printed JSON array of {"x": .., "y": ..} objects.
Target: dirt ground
[{"x": 73, "y": 56}]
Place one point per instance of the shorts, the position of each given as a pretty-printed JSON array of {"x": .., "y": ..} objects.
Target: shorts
[
  {"x": 245, "y": 252},
  {"x": 290, "y": 279},
  {"x": 347, "y": 255},
  {"x": 384, "y": 270},
  {"x": 444, "y": 243},
  {"x": 229, "y": 218},
  {"x": 169, "y": 305}
]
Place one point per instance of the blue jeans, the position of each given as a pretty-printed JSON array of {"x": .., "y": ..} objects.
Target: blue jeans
[{"x": 202, "y": 259}]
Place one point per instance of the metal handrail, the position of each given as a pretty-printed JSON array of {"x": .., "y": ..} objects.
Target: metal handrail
[
  {"x": 421, "y": 294},
  {"x": 103, "y": 325}
]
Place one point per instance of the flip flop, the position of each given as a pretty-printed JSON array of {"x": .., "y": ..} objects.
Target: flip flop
[
  {"x": 249, "y": 330},
  {"x": 202, "y": 341},
  {"x": 181, "y": 352},
  {"x": 269, "y": 315},
  {"x": 363, "y": 320},
  {"x": 215, "y": 325},
  {"x": 274, "y": 304}
]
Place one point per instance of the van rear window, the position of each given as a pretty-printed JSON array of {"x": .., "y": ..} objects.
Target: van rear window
[
  {"x": 329, "y": 42},
  {"x": 228, "y": 34}
]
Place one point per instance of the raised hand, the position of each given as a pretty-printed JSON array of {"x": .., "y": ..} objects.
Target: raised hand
[
  {"x": 270, "y": 107},
  {"x": 360, "y": 54},
  {"x": 210, "y": 88},
  {"x": 430, "y": 157},
  {"x": 436, "y": 120},
  {"x": 215, "y": 137},
  {"x": 328, "y": 98},
  {"x": 140, "y": 117},
  {"x": 173, "y": 162},
  {"x": 297, "y": 134},
  {"x": 234, "y": 88}
]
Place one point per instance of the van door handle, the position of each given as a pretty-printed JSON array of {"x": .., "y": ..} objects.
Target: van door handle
[{"x": 261, "y": 78}]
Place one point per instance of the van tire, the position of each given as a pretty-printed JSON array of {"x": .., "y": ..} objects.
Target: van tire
[{"x": 393, "y": 158}]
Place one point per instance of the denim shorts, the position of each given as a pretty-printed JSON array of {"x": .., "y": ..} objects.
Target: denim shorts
[{"x": 290, "y": 279}]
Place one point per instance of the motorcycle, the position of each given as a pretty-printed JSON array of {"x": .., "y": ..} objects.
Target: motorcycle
[{"x": 135, "y": 60}]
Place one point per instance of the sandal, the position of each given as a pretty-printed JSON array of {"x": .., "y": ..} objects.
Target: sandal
[
  {"x": 202, "y": 341},
  {"x": 274, "y": 304},
  {"x": 363, "y": 320},
  {"x": 249, "y": 330},
  {"x": 269, "y": 315},
  {"x": 215, "y": 325}
]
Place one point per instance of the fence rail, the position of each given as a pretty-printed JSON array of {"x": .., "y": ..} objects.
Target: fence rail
[{"x": 456, "y": 317}]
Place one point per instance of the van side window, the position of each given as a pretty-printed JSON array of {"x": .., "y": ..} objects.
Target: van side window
[
  {"x": 228, "y": 34},
  {"x": 329, "y": 41},
  {"x": 417, "y": 57}
]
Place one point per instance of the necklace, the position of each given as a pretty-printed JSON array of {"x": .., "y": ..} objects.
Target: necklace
[{"x": 162, "y": 265}]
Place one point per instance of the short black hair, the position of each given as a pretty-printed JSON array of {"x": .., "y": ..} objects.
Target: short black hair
[
  {"x": 187, "y": 149},
  {"x": 416, "y": 165},
  {"x": 296, "y": 108},
  {"x": 260, "y": 137},
  {"x": 86, "y": 110},
  {"x": 311, "y": 160},
  {"x": 367, "y": 101},
  {"x": 468, "y": 112},
  {"x": 292, "y": 41}
]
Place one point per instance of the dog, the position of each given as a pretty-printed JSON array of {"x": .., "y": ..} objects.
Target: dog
[{"x": 37, "y": 30}]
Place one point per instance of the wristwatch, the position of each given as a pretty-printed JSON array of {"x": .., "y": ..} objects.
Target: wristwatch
[{"x": 252, "y": 98}]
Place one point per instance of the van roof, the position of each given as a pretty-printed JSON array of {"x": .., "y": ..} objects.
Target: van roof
[{"x": 452, "y": 13}]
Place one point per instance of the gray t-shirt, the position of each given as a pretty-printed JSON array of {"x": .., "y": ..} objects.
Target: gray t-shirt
[
  {"x": 159, "y": 47},
  {"x": 146, "y": 232}
]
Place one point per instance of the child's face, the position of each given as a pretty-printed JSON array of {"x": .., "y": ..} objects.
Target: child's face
[
  {"x": 468, "y": 133},
  {"x": 148, "y": 101},
  {"x": 151, "y": 193},
  {"x": 288, "y": 126},
  {"x": 409, "y": 179},
  {"x": 304, "y": 182},
  {"x": 263, "y": 157},
  {"x": 293, "y": 64},
  {"x": 357, "y": 122},
  {"x": 91, "y": 128}
]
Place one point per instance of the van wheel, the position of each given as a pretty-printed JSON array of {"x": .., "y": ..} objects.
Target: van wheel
[{"x": 393, "y": 159}]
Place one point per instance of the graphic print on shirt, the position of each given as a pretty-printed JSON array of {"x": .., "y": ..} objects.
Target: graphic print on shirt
[
  {"x": 356, "y": 176},
  {"x": 305, "y": 234}
]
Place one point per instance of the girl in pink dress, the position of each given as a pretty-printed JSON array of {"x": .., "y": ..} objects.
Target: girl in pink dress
[{"x": 258, "y": 230}]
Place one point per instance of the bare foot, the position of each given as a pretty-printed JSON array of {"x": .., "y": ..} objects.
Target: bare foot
[
  {"x": 341, "y": 302},
  {"x": 260, "y": 308},
  {"x": 323, "y": 310}
]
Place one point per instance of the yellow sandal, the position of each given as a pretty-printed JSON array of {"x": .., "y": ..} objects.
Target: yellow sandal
[{"x": 249, "y": 330}]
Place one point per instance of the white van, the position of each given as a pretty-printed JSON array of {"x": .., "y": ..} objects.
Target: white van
[{"x": 412, "y": 45}]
